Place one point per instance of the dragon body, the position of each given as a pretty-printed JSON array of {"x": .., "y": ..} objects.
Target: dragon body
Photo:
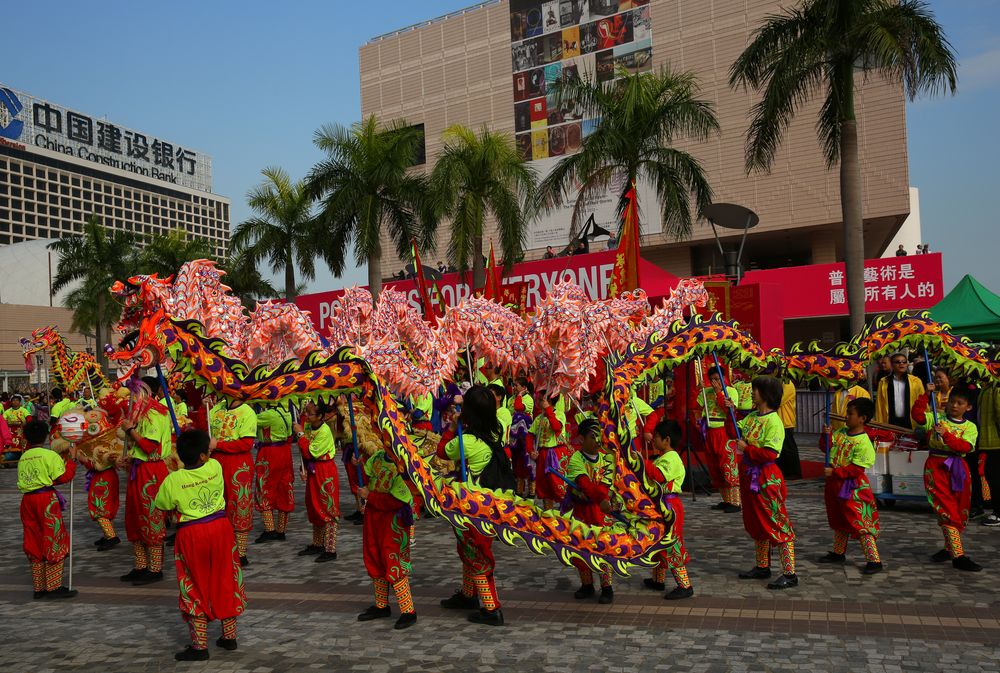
[{"x": 73, "y": 371}]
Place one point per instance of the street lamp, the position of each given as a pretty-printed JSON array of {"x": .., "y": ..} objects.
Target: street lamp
[{"x": 731, "y": 216}]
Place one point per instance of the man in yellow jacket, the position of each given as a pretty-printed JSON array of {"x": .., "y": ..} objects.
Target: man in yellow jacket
[{"x": 897, "y": 394}]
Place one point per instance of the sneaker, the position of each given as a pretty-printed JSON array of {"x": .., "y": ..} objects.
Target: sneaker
[
  {"x": 784, "y": 582},
  {"x": 757, "y": 573},
  {"x": 731, "y": 509},
  {"x": 226, "y": 643},
  {"x": 109, "y": 543},
  {"x": 326, "y": 556},
  {"x": 244, "y": 561},
  {"x": 871, "y": 568},
  {"x": 191, "y": 654},
  {"x": 375, "y": 612},
  {"x": 680, "y": 592},
  {"x": 39, "y": 594},
  {"x": 359, "y": 521},
  {"x": 963, "y": 562},
  {"x": 147, "y": 577},
  {"x": 585, "y": 591},
  {"x": 311, "y": 550},
  {"x": 941, "y": 556},
  {"x": 607, "y": 596},
  {"x": 992, "y": 521},
  {"x": 460, "y": 601},
  {"x": 132, "y": 575},
  {"x": 405, "y": 621},
  {"x": 266, "y": 536},
  {"x": 655, "y": 586},
  {"x": 832, "y": 557},
  {"x": 61, "y": 592},
  {"x": 487, "y": 617}
]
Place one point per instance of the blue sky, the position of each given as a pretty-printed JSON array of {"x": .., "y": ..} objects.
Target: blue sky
[{"x": 250, "y": 82}]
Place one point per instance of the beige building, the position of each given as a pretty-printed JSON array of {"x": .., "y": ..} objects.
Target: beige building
[
  {"x": 18, "y": 321},
  {"x": 468, "y": 68}
]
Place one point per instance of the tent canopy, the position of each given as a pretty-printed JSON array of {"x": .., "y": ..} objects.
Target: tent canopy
[{"x": 971, "y": 310}]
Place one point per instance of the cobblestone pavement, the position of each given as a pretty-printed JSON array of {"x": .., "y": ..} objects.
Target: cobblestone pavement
[{"x": 916, "y": 616}]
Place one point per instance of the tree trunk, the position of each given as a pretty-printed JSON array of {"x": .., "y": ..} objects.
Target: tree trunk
[
  {"x": 478, "y": 266},
  {"x": 289, "y": 278},
  {"x": 854, "y": 234},
  {"x": 375, "y": 275},
  {"x": 99, "y": 332}
]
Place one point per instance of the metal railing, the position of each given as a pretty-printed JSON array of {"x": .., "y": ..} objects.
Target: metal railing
[{"x": 429, "y": 22}]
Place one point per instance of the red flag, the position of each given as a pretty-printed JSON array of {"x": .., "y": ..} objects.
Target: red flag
[
  {"x": 625, "y": 274},
  {"x": 514, "y": 296},
  {"x": 425, "y": 300},
  {"x": 492, "y": 289}
]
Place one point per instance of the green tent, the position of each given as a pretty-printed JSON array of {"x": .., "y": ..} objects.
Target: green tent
[{"x": 971, "y": 310}]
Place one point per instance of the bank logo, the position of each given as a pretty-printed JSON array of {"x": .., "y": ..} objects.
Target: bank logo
[{"x": 10, "y": 107}]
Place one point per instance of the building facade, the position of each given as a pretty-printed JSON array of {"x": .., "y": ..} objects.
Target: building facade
[
  {"x": 494, "y": 64},
  {"x": 59, "y": 166}
]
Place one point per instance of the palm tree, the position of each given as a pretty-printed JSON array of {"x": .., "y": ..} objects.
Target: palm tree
[
  {"x": 475, "y": 174},
  {"x": 366, "y": 188},
  {"x": 245, "y": 279},
  {"x": 164, "y": 254},
  {"x": 641, "y": 116},
  {"x": 818, "y": 48},
  {"x": 95, "y": 259},
  {"x": 284, "y": 230}
]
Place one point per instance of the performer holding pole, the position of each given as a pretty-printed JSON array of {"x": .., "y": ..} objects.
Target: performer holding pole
[
  {"x": 273, "y": 496},
  {"x": 234, "y": 431},
  {"x": 322, "y": 484},
  {"x": 716, "y": 399}
]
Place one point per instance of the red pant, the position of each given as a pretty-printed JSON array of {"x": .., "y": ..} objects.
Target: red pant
[
  {"x": 143, "y": 522},
  {"x": 323, "y": 493},
  {"x": 721, "y": 459},
  {"x": 764, "y": 514},
  {"x": 274, "y": 478},
  {"x": 385, "y": 538},
  {"x": 237, "y": 473},
  {"x": 102, "y": 496},
  {"x": 208, "y": 570},
  {"x": 951, "y": 507},
  {"x": 547, "y": 486},
  {"x": 857, "y": 515},
  {"x": 45, "y": 538}
]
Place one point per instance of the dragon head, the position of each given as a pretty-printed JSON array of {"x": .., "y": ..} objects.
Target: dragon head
[
  {"x": 144, "y": 301},
  {"x": 41, "y": 339}
]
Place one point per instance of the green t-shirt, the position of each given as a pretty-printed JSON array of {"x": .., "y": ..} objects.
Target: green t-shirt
[
  {"x": 600, "y": 468},
  {"x": 228, "y": 425},
  {"x": 157, "y": 427},
  {"x": 384, "y": 477},
  {"x": 710, "y": 408},
  {"x": 526, "y": 400},
  {"x": 765, "y": 431},
  {"x": 274, "y": 425},
  {"x": 852, "y": 449},
  {"x": 657, "y": 388},
  {"x": 424, "y": 404},
  {"x": 39, "y": 467},
  {"x": 545, "y": 438},
  {"x": 635, "y": 409},
  {"x": 745, "y": 390},
  {"x": 506, "y": 420},
  {"x": 965, "y": 430},
  {"x": 16, "y": 416},
  {"x": 60, "y": 407},
  {"x": 477, "y": 453},
  {"x": 322, "y": 446},
  {"x": 195, "y": 493},
  {"x": 671, "y": 467}
]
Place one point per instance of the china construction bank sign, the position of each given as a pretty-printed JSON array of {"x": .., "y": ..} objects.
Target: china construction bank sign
[{"x": 35, "y": 125}]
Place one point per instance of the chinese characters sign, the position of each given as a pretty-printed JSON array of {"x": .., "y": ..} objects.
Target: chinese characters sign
[
  {"x": 891, "y": 284},
  {"x": 40, "y": 124}
]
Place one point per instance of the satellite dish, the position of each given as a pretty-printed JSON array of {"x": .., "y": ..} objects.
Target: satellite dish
[{"x": 731, "y": 216}]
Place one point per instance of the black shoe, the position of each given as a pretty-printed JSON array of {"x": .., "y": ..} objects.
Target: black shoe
[
  {"x": 654, "y": 585},
  {"x": 132, "y": 575},
  {"x": 731, "y": 509},
  {"x": 326, "y": 556},
  {"x": 585, "y": 591},
  {"x": 280, "y": 537},
  {"x": 405, "y": 621},
  {"x": 833, "y": 557},
  {"x": 61, "y": 592},
  {"x": 757, "y": 573},
  {"x": 109, "y": 543},
  {"x": 784, "y": 582},
  {"x": 963, "y": 562},
  {"x": 607, "y": 596},
  {"x": 719, "y": 506},
  {"x": 311, "y": 550},
  {"x": 460, "y": 601},
  {"x": 191, "y": 654},
  {"x": 170, "y": 539},
  {"x": 375, "y": 612},
  {"x": 147, "y": 577},
  {"x": 227, "y": 643},
  {"x": 39, "y": 594},
  {"x": 976, "y": 512},
  {"x": 244, "y": 561},
  {"x": 354, "y": 517},
  {"x": 487, "y": 617},
  {"x": 941, "y": 556},
  {"x": 359, "y": 521},
  {"x": 871, "y": 568},
  {"x": 266, "y": 536},
  {"x": 99, "y": 540},
  {"x": 680, "y": 592}
]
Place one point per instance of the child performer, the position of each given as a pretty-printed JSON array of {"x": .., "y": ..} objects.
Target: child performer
[
  {"x": 273, "y": 497},
  {"x": 721, "y": 454},
  {"x": 322, "y": 484},
  {"x": 762, "y": 486},
  {"x": 522, "y": 407},
  {"x": 946, "y": 474},
  {"x": 103, "y": 501},
  {"x": 850, "y": 504},
  {"x": 593, "y": 472},
  {"x": 480, "y": 438},
  {"x": 144, "y": 524},
  {"x": 205, "y": 553},
  {"x": 545, "y": 443},
  {"x": 668, "y": 469},
  {"x": 234, "y": 430},
  {"x": 45, "y": 541},
  {"x": 385, "y": 538},
  {"x": 16, "y": 417}
]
